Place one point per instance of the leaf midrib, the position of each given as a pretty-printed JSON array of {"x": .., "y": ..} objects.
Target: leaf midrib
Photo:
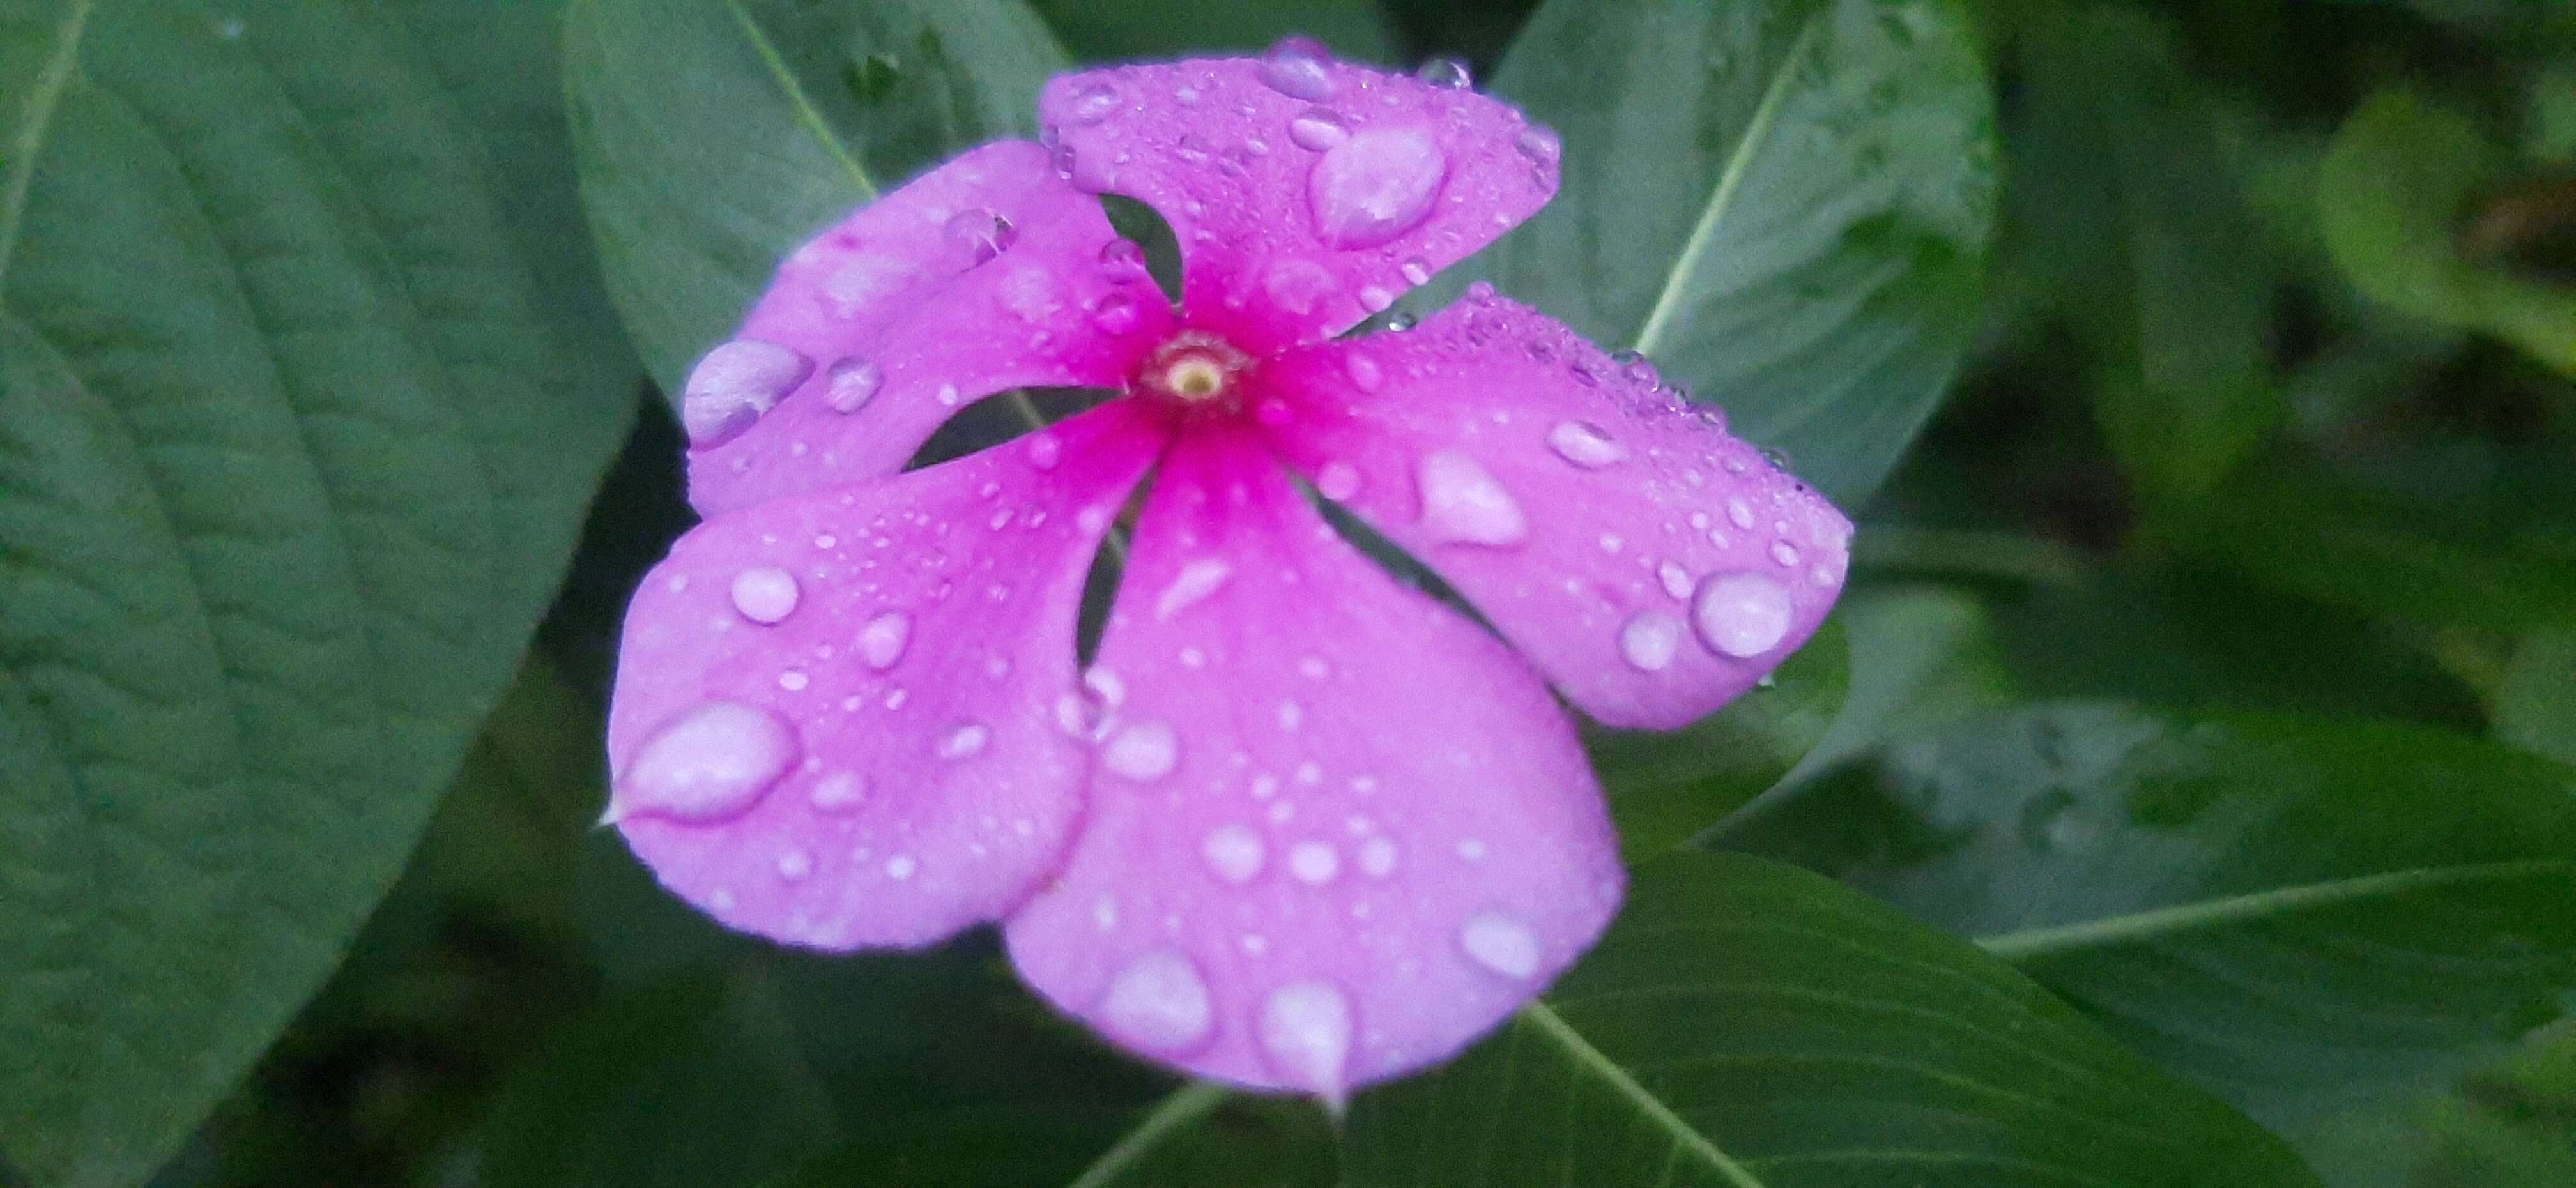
[
  {"x": 48, "y": 93},
  {"x": 1684, "y": 1135},
  {"x": 2032, "y": 943},
  {"x": 1686, "y": 265}
]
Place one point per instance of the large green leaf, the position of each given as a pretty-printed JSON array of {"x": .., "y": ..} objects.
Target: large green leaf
[
  {"x": 2299, "y": 913},
  {"x": 1109, "y": 30},
  {"x": 715, "y": 137},
  {"x": 1199, "y": 1134},
  {"x": 2535, "y": 708},
  {"x": 292, "y": 464},
  {"x": 2128, "y": 214},
  {"x": 1746, "y": 1024},
  {"x": 2400, "y": 173},
  {"x": 1784, "y": 202}
]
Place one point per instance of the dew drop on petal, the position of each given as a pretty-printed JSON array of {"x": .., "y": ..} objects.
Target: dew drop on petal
[
  {"x": 1233, "y": 852},
  {"x": 1784, "y": 553},
  {"x": 1741, "y": 614},
  {"x": 1676, "y": 580},
  {"x": 1122, "y": 262},
  {"x": 981, "y": 233},
  {"x": 1314, "y": 862},
  {"x": 1448, "y": 74},
  {"x": 712, "y": 764},
  {"x": 1197, "y": 580},
  {"x": 1337, "y": 481},
  {"x": 1094, "y": 103},
  {"x": 1300, "y": 68},
  {"x": 1364, "y": 371},
  {"x": 1305, "y": 1030},
  {"x": 1416, "y": 271},
  {"x": 1377, "y": 857},
  {"x": 734, "y": 385},
  {"x": 794, "y": 865},
  {"x": 764, "y": 593},
  {"x": 1463, "y": 503},
  {"x": 1159, "y": 1002},
  {"x": 1045, "y": 450},
  {"x": 839, "y": 792},
  {"x": 851, "y": 383},
  {"x": 1540, "y": 143},
  {"x": 1144, "y": 751},
  {"x": 1650, "y": 640},
  {"x": 1375, "y": 186},
  {"x": 1499, "y": 941},
  {"x": 966, "y": 741},
  {"x": 901, "y": 867},
  {"x": 1297, "y": 285},
  {"x": 1585, "y": 444},
  {"x": 1116, "y": 314},
  {"x": 882, "y": 641},
  {"x": 1318, "y": 128},
  {"x": 1738, "y": 512}
]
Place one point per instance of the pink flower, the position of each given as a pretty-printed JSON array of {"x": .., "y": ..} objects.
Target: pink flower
[{"x": 1299, "y": 825}]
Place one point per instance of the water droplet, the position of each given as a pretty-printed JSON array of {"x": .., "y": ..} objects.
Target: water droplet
[
  {"x": 1233, "y": 852},
  {"x": 794, "y": 865},
  {"x": 1377, "y": 857},
  {"x": 1650, "y": 640},
  {"x": 1291, "y": 715},
  {"x": 1375, "y": 298},
  {"x": 1306, "y": 1032},
  {"x": 1144, "y": 751},
  {"x": 712, "y": 764},
  {"x": 793, "y": 680},
  {"x": 1045, "y": 450},
  {"x": 1676, "y": 580},
  {"x": 1314, "y": 862},
  {"x": 966, "y": 741},
  {"x": 1639, "y": 369},
  {"x": 901, "y": 867},
  {"x": 1741, "y": 614},
  {"x": 1094, "y": 103},
  {"x": 1540, "y": 143},
  {"x": 1499, "y": 941},
  {"x": 882, "y": 641},
  {"x": 1416, "y": 271},
  {"x": 1300, "y": 68},
  {"x": 1585, "y": 444},
  {"x": 1158, "y": 1002},
  {"x": 1122, "y": 262},
  {"x": 1375, "y": 186},
  {"x": 1738, "y": 512},
  {"x": 1463, "y": 503},
  {"x": 1365, "y": 374},
  {"x": 1473, "y": 850},
  {"x": 1784, "y": 553},
  {"x": 1337, "y": 481},
  {"x": 981, "y": 233},
  {"x": 851, "y": 382},
  {"x": 1401, "y": 321},
  {"x": 764, "y": 593},
  {"x": 840, "y": 791},
  {"x": 734, "y": 385},
  {"x": 1116, "y": 314},
  {"x": 1448, "y": 74},
  {"x": 1196, "y": 580},
  {"x": 1318, "y": 129}
]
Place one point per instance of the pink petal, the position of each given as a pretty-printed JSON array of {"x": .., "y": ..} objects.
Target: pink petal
[
  {"x": 1652, "y": 566},
  {"x": 1306, "y": 193},
  {"x": 1336, "y": 831},
  {"x": 836, "y": 719},
  {"x": 982, "y": 276}
]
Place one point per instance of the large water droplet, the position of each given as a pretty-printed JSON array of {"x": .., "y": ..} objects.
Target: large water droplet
[
  {"x": 1741, "y": 614},
  {"x": 734, "y": 385},
  {"x": 1501, "y": 942},
  {"x": 712, "y": 764},
  {"x": 764, "y": 593},
  {"x": 1233, "y": 852},
  {"x": 1463, "y": 503},
  {"x": 851, "y": 383},
  {"x": 1122, "y": 262},
  {"x": 1585, "y": 444},
  {"x": 1318, "y": 128},
  {"x": 981, "y": 233},
  {"x": 1305, "y": 1030},
  {"x": 1300, "y": 68},
  {"x": 1144, "y": 751},
  {"x": 1094, "y": 103},
  {"x": 1448, "y": 74},
  {"x": 1195, "y": 582},
  {"x": 1375, "y": 186},
  {"x": 1650, "y": 640},
  {"x": 882, "y": 641},
  {"x": 1296, "y": 285},
  {"x": 1158, "y": 1002}
]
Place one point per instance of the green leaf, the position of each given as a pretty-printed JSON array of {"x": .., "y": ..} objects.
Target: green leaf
[
  {"x": 2298, "y": 913},
  {"x": 1785, "y": 203},
  {"x": 1665, "y": 787},
  {"x": 2536, "y": 707},
  {"x": 694, "y": 1081},
  {"x": 2400, "y": 172},
  {"x": 1749, "y": 1025},
  {"x": 2130, "y": 217},
  {"x": 1198, "y": 1134},
  {"x": 713, "y": 138},
  {"x": 1112, "y": 30},
  {"x": 293, "y": 464}
]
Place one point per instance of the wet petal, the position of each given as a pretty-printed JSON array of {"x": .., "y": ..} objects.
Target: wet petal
[
  {"x": 1336, "y": 831},
  {"x": 836, "y": 719},
  {"x": 982, "y": 276},
  {"x": 1651, "y": 565},
  {"x": 1306, "y": 193}
]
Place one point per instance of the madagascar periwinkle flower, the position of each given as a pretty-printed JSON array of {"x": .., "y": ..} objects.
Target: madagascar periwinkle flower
[{"x": 1298, "y": 825}]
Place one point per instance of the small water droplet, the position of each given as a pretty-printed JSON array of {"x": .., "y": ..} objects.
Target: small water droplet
[
  {"x": 1738, "y": 512},
  {"x": 1144, "y": 751},
  {"x": 1585, "y": 444},
  {"x": 712, "y": 764},
  {"x": 765, "y": 593},
  {"x": 1045, "y": 450},
  {"x": 1741, "y": 614},
  {"x": 1314, "y": 862},
  {"x": 1651, "y": 639},
  {"x": 1377, "y": 857},
  {"x": 851, "y": 382},
  {"x": 1416, "y": 271},
  {"x": 1463, "y": 503},
  {"x": 901, "y": 867},
  {"x": 1122, "y": 262},
  {"x": 1337, "y": 481},
  {"x": 981, "y": 233},
  {"x": 1300, "y": 68},
  {"x": 1116, "y": 314},
  {"x": 882, "y": 641},
  {"x": 1305, "y": 1030},
  {"x": 1233, "y": 852},
  {"x": 1375, "y": 186},
  {"x": 1196, "y": 580},
  {"x": 1318, "y": 128},
  {"x": 1094, "y": 103},
  {"x": 840, "y": 791},
  {"x": 1401, "y": 321},
  {"x": 1159, "y": 1002},
  {"x": 1501, "y": 942},
  {"x": 1784, "y": 553},
  {"x": 1540, "y": 143},
  {"x": 1676, "y": 580},
  {"x": 1448, "y": 74},
  {"x": 793, "y": 680},
  {"x": 1364, "y": 371},
  {"x": 794, "y": 865},
  {"x": 734, "y": 385},
  {"x": 966, "y": 741}
]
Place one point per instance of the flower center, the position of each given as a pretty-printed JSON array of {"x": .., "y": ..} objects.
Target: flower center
[{"x": 1194, "y": 371}]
